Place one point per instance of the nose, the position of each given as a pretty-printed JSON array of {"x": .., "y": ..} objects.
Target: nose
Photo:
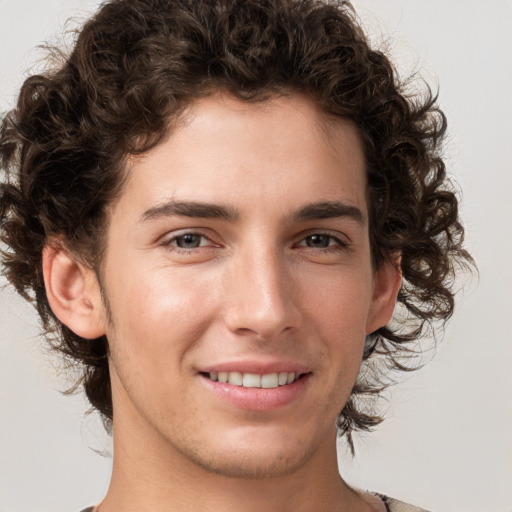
[{"x": 261, "y": 296}]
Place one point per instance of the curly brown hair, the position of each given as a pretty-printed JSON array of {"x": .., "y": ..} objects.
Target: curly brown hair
[{"x": 138, "y": 63}]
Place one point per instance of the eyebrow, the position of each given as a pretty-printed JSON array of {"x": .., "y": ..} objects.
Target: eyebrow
[
  {"x": 330, "y": 210},
  {"x": 190, "y": 209},
  {"x": 193, "y": 209}
]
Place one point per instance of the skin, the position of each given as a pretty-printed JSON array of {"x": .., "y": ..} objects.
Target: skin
[{"x": 262, "y": 282}]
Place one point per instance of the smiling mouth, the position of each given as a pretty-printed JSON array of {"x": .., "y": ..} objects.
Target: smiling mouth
[{"x": 254, "y": 380}]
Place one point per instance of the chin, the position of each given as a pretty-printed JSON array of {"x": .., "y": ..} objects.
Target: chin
[
  {"x": 246, "y": 466},
  {"x": 253, "y": 457}
]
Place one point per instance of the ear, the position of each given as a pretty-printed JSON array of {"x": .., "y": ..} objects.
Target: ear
[
  {"x": 386, "y": 285},
  {"x": 73, "y": 292}
]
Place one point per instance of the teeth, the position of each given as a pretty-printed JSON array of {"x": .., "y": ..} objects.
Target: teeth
[
  {"x": 254, "y": 380},
  {"x": 270, "y": 380},
  {"x": 251, "y": 380},
  {"x": 235, "y": 378}
]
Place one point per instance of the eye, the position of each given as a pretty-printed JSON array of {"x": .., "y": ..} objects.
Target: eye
[
  {"x": 189, "y": 241},
  {"x": 321, "y": 241}
]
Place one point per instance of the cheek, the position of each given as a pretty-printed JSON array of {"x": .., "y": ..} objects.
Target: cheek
[
  {"x": 160, "y": 313},
  {"x": 338, "y": 312},
  {"x": 339, "y": 303},
  {"x": 155, "y": 322},
  {"x": 154, "y": 308}
]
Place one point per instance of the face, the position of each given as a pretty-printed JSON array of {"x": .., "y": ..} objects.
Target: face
[{"x": 240, "y": 286}]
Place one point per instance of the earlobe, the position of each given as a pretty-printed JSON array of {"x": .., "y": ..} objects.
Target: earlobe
[
  {"x": 73, "y": 292},
  {"x": 387, "y": 283}
]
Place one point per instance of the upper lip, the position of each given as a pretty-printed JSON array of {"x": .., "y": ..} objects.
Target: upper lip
[{"x": 257, "y": 367}]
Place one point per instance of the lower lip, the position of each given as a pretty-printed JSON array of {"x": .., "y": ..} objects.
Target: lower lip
[{"x": 258, "y": 399}]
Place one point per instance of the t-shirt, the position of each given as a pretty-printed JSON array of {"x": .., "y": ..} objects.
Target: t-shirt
[{"x": 392, "y": 505}]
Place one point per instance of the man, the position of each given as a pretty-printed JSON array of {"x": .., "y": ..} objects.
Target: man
[{"x": 216, "y": 206}]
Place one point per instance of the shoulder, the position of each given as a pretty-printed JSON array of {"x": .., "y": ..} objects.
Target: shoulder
[{"x": 394, "y": 505}]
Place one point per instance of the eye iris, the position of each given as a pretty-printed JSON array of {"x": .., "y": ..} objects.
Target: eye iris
[
  {"x": 318, "y": 241},
  {"x": 189, "y": 241}
]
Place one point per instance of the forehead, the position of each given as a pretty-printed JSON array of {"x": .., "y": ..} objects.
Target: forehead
[{"x": 283, "y": 150}]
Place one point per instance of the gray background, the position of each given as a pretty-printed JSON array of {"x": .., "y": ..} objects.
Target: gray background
[{"x": 447, "y": 442}]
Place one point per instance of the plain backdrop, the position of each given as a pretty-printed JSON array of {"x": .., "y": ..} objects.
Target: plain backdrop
[{"x": 447, "y": 442}]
